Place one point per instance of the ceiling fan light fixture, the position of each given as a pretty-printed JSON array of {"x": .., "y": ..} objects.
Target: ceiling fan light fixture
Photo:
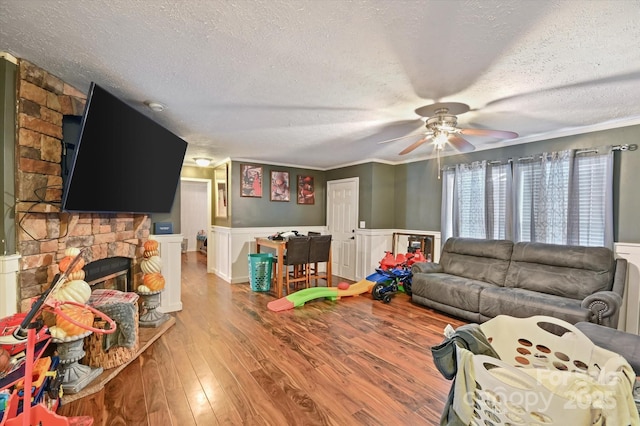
[
  {"x": 202, "y": 162},
  {"x": 440, "y": 140}
]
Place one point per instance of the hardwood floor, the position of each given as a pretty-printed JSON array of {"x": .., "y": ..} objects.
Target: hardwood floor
[{"x": 231, "y": 361}]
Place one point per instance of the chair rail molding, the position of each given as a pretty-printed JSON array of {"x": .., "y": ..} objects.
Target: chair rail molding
[{"x": 630, "y": 313}]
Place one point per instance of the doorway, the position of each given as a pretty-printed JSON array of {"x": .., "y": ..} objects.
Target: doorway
[
  {"x": 195, "y": 209},
  {"x": 342, "y": 220}
]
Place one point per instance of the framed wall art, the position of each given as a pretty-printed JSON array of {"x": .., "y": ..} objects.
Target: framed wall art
[
  {"x": 221, "y": 181},
  {"x": 305, "y": 190},
  {"x": 280, "y": 190},
  {"x": 251, "y": 181}
]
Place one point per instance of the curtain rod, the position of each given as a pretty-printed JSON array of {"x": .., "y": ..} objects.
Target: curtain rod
[{"x": 622, "y": 148}]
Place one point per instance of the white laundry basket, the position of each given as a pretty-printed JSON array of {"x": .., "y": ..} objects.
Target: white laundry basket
[{"x": 549, "y": 373}]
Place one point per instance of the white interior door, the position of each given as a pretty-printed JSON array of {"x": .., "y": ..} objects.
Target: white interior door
[
  {"x": 195, "y": 209},
  {"x": 342, "y": 219}
]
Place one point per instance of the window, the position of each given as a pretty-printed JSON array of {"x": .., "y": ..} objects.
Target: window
[
  {"x": 476, "y": 201},
  {"x": 559, "y": 198}
]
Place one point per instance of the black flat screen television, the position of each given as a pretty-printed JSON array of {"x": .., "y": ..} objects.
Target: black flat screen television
[{"x": 124, "y": 161}]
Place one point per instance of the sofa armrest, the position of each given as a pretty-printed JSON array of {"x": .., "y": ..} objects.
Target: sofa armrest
[
  {"x": 426, "y": 267},
  {"x": 604, "y": 307},
  {"x": 620, "y": 277}
]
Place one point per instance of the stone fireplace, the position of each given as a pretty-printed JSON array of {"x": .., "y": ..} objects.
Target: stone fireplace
[{"x": 43, "y": 231}]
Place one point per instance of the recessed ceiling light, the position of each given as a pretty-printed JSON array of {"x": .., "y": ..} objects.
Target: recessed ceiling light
[
  {"x": 155, "y": 106},
  {"x": 202, "y": 162}
]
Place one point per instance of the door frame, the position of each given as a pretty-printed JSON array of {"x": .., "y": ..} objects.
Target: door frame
[
  {"x": 330, "y": 183},
  {"x": 210, "y": 218}
]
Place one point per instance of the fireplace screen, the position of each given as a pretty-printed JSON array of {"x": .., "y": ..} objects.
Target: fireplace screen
[{"x": 112, "y": 273}]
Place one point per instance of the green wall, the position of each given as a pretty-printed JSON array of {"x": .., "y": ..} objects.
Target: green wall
[
  {"x": 254, "y": 212},
  {"x": 8, "y": 72}
]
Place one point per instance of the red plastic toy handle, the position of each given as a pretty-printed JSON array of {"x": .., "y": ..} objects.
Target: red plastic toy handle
[{"x": 112, "y": 324}]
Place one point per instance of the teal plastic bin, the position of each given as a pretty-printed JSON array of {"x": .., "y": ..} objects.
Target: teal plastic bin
[{"x": 260, "y": 265}]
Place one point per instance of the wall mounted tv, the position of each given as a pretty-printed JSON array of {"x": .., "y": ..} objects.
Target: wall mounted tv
[{"x": 124, "y": 162}]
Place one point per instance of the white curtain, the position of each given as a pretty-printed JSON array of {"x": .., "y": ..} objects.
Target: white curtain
[
  {"x": 470, "y": 193},
  {"x": 476, "y": 201},
  {"x": 565, "y": 198}
]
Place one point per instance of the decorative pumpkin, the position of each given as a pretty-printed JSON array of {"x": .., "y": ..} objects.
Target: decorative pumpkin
[
  {"x": 151, "y": 245},
  {"x": 150, "y": 265},
  {"x": 154, "y": 281},
  {"x": 5, "y": 360},
  {"x": 143, "y": 289},
  {"x": 66, "y": 261},
  {"x": 80, "y": 315},
  {"x": 57, "y": 333},
  {"x": 150, "y": 253},
  {"x": 73, "y": 291},
  {"x": 72, "y": 251},
  {"x": 77, "y": 275}
]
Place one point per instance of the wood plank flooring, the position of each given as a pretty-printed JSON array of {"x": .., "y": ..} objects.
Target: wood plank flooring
[{"x": 231, "y": 361}]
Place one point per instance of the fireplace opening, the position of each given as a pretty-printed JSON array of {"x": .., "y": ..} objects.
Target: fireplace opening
[{"x": 113, "y": 273}]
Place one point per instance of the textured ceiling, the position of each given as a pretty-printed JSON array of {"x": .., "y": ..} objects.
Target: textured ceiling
[{"x": 319, "y": 83}]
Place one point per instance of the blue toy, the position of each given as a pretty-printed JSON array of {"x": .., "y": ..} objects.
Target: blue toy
[{"x": 389, "y": 281}]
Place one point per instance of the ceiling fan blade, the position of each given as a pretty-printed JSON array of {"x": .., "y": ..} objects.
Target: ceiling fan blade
[
  {"x": 461, "y": 144},
  {"x": 413, "y": 146},
  {"x": 406, "y": 137},
  {"x": 501, "y": 134}
]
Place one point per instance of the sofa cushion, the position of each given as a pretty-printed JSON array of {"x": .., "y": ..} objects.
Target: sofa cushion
[
  {"x": 482, "y": 260},
  {"x": 463, "y": 293},
  {"x": 568, "y": 271},
  {"x": 524, "y": 303}
]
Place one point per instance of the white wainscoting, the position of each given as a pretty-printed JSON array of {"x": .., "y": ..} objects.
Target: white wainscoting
[
  {"x": 229, "y": 248},
  {"x": 9, "y": 266},
  {"x": 171, "y": 268},
  {"x": 228, "y": 255},
  {"x": 371, "y": 245},
  {"x": 630, "y": 314}
]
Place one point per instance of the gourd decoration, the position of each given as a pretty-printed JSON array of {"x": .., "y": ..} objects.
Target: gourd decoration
[
  {"x": 154, "y": 281},
  {"x": 77, "y": 275},
  {"x": 5, "y": 360},
  {"x": 73, "y": 291},
  {"x": 150, "y": 253},
  {"x": 72, "y": 251},
  {"x": 64, "y": 263},
  {"x": 151, "y": 245},
  {"x": 78, "y": 314},
  {"x": 150, "y": 265},
  {"x": 151, "y": 249}
]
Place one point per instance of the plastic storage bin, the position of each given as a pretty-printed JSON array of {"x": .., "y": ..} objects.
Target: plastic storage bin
[{"x": 260, "y": 265}]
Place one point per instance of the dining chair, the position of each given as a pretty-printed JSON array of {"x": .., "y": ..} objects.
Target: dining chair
[
  {"x": 296, "y": 257},
  {"x": 320, "y": 252}
]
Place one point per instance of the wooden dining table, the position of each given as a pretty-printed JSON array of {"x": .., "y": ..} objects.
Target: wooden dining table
[{"x": 280, "y": 247}]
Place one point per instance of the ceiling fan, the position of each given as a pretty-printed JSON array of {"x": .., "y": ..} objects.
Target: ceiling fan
[{"x": 441, "y": 123}]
